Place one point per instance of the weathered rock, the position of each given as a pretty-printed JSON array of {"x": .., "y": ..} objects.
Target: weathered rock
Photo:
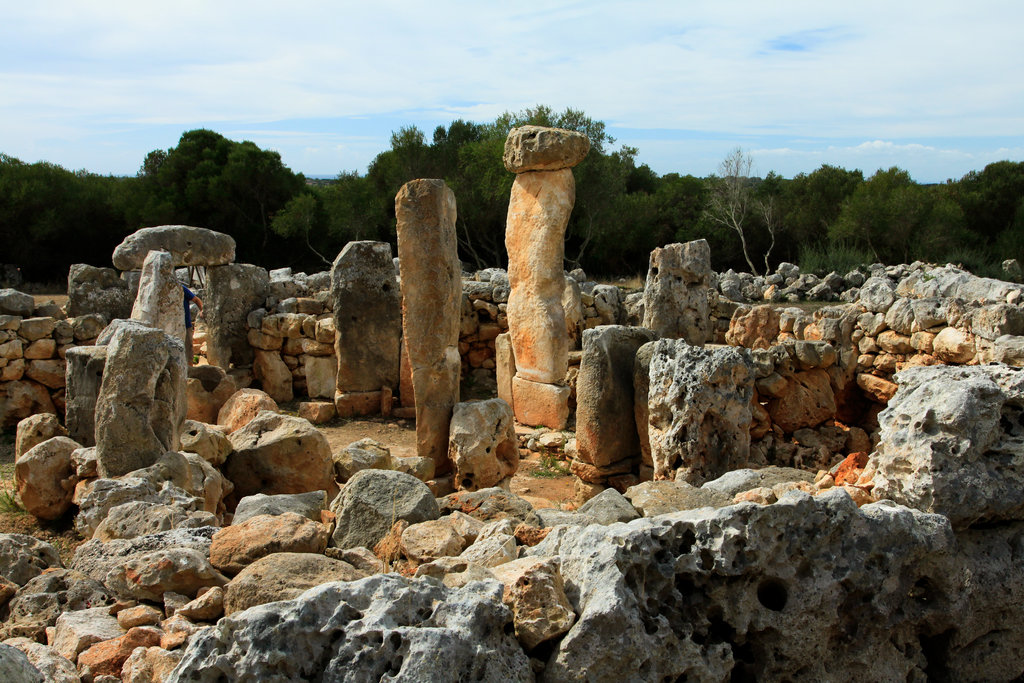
[
  {"x": 191, "y": 474},
  {"x": 38, "y": 603},
  {"x": 676, "y": 292},
  {"x": 277, "y": 453},
  {"x": 159, "y": 301},
  {"x": 736, "y": 481},
  {"x": 373, "y": 500},
  {"x": 23, "y": 398},
  {"x": 431, "y": 299},
  {"x": 53, "y": 667},
  {"x": 540, "y": 404},
  {"x": 13, "y": 302},
  {"x": 141, "y": 518},
  {"x": 148, "y": 576},
  {"x": 97, "y": 497},
  {"x": 23, "y": 557},
  {"x": 538, "y": 213},
  {"x": 210, "y": 444},
  {"x": 877, "y": 294},
  {"x": 308, "y": 505},
  {"x": 403, "y": 625},
  {"x": 951, "y": 442},
  {"x": 877, "y": 389},
  {"x": 283, "y": 576},
  {"x": 207, "y": 389},
  {"x": 77, "y": 631},
  {"x": 239, "y": 545},
  {"x": 491, "y": 551},
  {"x": 45, "y": 477},
  {"x": 807, "y": 401},
  {"x": 321, "y": 376},
  {"x": 188, "y": 246},
  {"x": 698, "y": 410},
  {"x": 98, "y": 290},
  {"x": 365, "y": 454},
  {"x": 539, "y": 148},
  {"x": 609, "y": 507},
  {"x": 605, "y": 424},
  {"x": 753, "y": 328},
  {"x": 209, "y": 606},
  {"x": 535, "y": 592},
  {"x": 16, "y": 667},
  {"x": 430, "y": 540},
  {"x": 482, "y": 444},
  {"x": 684, "y": 591},
  {"x": 84, "y": 374},
  {"x": 34, "y": 430},
  {"x": 490, "y": 504},
  {"x": 107, "y": 658},
  {"x": 150, "y": 665},
  {"x": 242, "y": 406},
  {"x": 653, "y": 498},
  {"x": 232, "y": 291},
  {"x": 141, "y": 405},
  {"x": 367, "y": 317},
  {"x": 274, "y": 375}
]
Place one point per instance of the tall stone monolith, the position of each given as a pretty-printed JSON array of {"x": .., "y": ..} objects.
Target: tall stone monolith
[
  {"x": 368, "y": 326},
  {"x": 676, "y": 292},
  {"x": 431, "y": 307},
  {"x": 160, "y": 301},
  {"x": 142, "y": 404},
  {"x": 232, "y": 291},
  {"x": 542, "y": 198}
]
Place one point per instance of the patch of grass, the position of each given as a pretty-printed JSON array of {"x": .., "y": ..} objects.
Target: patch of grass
[
  {"x": 838, "y": 256},
  {"x": 550, "y": 468},
  {"x": 10, "y": 504}
]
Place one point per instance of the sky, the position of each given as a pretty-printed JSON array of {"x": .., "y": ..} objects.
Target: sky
[{"x": 936, "y": 87}]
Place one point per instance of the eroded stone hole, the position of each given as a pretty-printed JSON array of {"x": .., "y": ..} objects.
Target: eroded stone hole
[{"x": 773, "y": 594}]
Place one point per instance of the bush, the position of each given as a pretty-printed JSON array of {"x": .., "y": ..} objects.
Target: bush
[{"x": 841, "y": 257}]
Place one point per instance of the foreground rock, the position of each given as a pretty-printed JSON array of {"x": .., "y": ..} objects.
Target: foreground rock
[
  {"x": 381, "y": 627},
  {"x": 373, "y": 500}
]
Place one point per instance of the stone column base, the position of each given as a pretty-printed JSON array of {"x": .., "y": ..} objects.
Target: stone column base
[
  {"x": 353, "y": 403},
  {"x": 537, "y": 404}
]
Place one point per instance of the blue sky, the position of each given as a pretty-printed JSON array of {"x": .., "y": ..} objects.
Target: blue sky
[{"x": 933, "y": 87}]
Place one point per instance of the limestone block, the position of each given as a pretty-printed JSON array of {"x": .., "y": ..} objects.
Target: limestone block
[
  {"x": 283, "y": 576},
  {"x": 676, "y": 292},
  {"x": 235, "y": 547},
  {"x": 274, "y": 375},
  {"x": 98, "y": 290},
  {"x": 13, "y": 302},
  {"x": 535, "y": 592},
  {"x": 212, "y": 445},
  {"x": 430, "y": 540},
  {"x": 242, "y": 406},
  {"x": 806, "y": 401},
  {"x": 539, "y": 148},
  {"x": 159, "y": 302},
  {"x": 365, "y": 454},
  {"x": 141, "y": 404},
  {"x": 352, "y": 403},
  {"x": 49, "y": 373},
  {"x": 698, "y": 410},
  {"x": 24, "y": 557},
  {"x": 373, "y": 500},
  {"x": 33, "y": 329},
  {"x": 538, "y": 213},
  {"x": 367, "y": 317},
  {"x": 317, "y": 412},
  {"x": 77, "y": 631},
  {"x": 232, "y": 291},
  {"x": 753, "y": 328},
  {"x": 483, "y": 447},
  {"x": 431, "y": 305},
  {"x": 84, "y": 373},
  {"x": 953, "y": 345},
  {"x": 309, "y": 505},
  {"x": 277, "y": 453},
  {"x": 950, "y": 443},
  {"x": 505, "y": 366},
  {"x": 23, "y": 398},
  {"x": 188, "y": 246},
  {"x": 606, "y": 430},
  {"x": 45, "y": 477},
  {"x": 34, "y": 430},
  {"x": 539, "y": 404}
]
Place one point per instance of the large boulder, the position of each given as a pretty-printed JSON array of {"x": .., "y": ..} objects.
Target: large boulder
[
  {"x": 284, "y": 576},
  {"x": 16, "y": 667},
  {"x": 539, "y": 148},
  {"x": 277, "y": 453},
  {"x": 373, "y": 500},
  {"x": 699, "y": 414},
  {"x": 382, "y": 627},
  {"x": 188, "y": 246},
  {"x": 232, "y": 291},
  {"x": 84, "y": 375},
  {"x": 242, "y": 407},
  {"x": 207, "y": 389},
  {"x": 45, "y": 477},
  {"x": 13, "y": 302},
  {"x": 141, "y": 404},
  {"x": 34, "y": 430},
  {"x": 235, "y": 547},
  {"x": 950, "y": 442},
  {"x": 98, "y": 290},
  {"x": 482, "y": 443},
  {"x": 309, "y": 505}
]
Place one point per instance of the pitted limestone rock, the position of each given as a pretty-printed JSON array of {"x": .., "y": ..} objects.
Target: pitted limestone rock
[
  {"x": 188, "y": 246},
  {"x": 676, "y": 292}
]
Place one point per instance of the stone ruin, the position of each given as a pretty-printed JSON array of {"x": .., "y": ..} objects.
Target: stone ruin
[{"x": 762, "y": 492}]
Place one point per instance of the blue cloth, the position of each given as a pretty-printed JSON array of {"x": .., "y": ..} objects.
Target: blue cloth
[{"x": 189, "y": 295}]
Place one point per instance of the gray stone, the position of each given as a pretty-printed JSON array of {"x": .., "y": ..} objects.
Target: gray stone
[
  {"x": 431, "y": 300},
  {"x": 34, "y": 430},
  {"x": 188, "y": 246},
  {"x": 365, "y": 454},
  {"x": 606, "y": 429},
  {"x": 141, "y": 518},
  {"x": 308, "y": 505},
  {"x": 877, "y": 294},
  {"x": 232, "y": 291},
  {"x": 76, "y": 631},
  {"x": 952, "y": 441},
  {"x": 737, "y": 481},
  {"x": 23, "y": 557},
  {"x": 96, "y": 498},
  {"x": 609, "y": 507},
  {"x": 367, "y": 317},
  {"x": 13, "y": 302},
  {"x": 699, "y": 410},
  {"x": 676, "y": 292},
  {"x": 373, "y": 500},
  {"x": 141, "y": 404},
  {"x": 159, "y": 302},
  {"x": 41, "y": 600},
  {"x": 16, "y": 667},
  {"x": 653, "y": 498},
  {"x": 382, "y": 627},
  {"x": 53, "y": 667},
  {"x": 483, "y": 446}
]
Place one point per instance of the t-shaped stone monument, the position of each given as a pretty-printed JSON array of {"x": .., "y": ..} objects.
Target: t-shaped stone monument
[{"x": 538, "y": 212}]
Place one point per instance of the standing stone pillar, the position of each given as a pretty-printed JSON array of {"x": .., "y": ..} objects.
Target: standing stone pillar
[
  {"x": 142, "y": 404},
  {"x": 676, "y": 292},
  {"x": 368, "y": 327},
  {"x": 431, "y": 307},
  {"x": 83, "y": 375},
  {"x": 160, "y": 301},
  {"x": 542, "y": 199},
  {"x": 232, "y": 291}
]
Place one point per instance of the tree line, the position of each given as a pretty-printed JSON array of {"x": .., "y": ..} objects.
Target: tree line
[{"x": 828, "y": 219}]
